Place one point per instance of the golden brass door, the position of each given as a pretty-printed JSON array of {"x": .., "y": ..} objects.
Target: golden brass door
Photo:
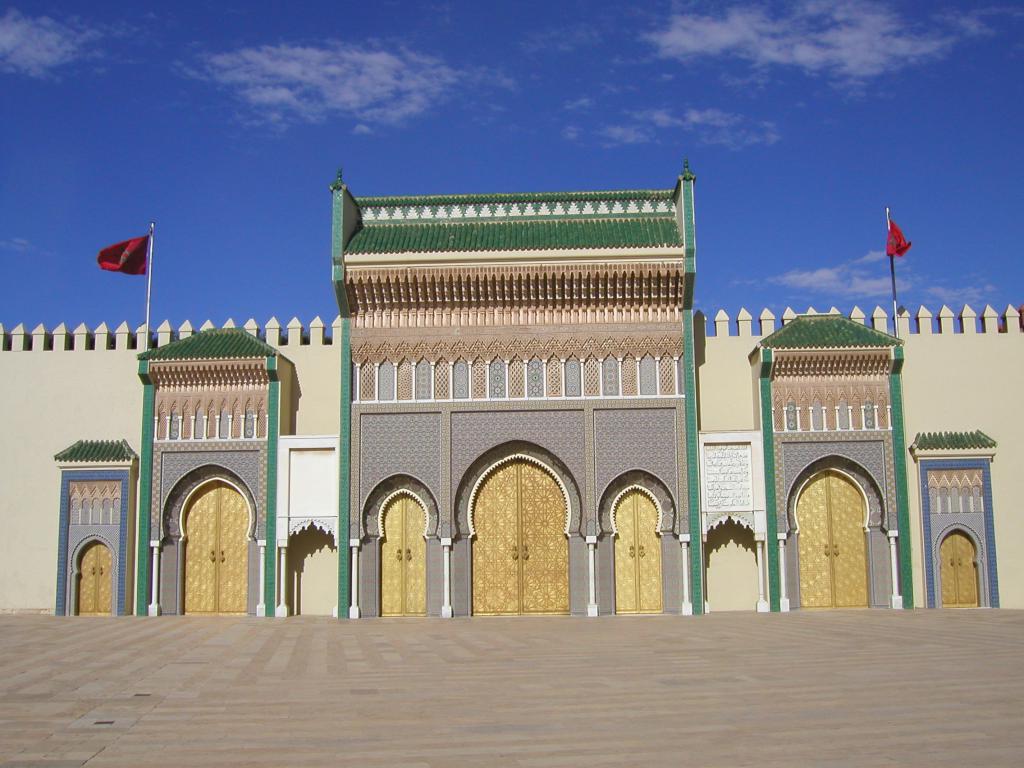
[
  {"x": 521, "y": 552},
  {"x": 403, "y": 552},
  {"x": 959, "y": 572},
  {"x": 832, "y": 549},
  {"x": 94, "y": 591},
  {"x": 637, "y": 555},
  {"x": 216, "y": 551}
]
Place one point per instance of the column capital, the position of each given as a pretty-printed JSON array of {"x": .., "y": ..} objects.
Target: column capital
[
  {"x": 354, "y": 543},
  {"x": 892, "y": 534},
  {"x": 782, "y": 537},
  {"x": 446, "y": 542},
  {"x": 591, "y": 540},
  {"x": 684, "y": 538}
]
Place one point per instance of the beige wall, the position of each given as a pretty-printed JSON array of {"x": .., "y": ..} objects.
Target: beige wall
[
  {"x": 50, "y": 400},
  {"x": 952, "y": 381},
  {"x": 54, "y": 397},
  {"x": 731, "y": 568}
]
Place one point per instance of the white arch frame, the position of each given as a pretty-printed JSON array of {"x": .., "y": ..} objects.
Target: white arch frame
[
  {"x": 646, "y": 492},
  {"x": 848, "y": 476},
  {"x": 387, "y": 500},
  {"x": 507, "y": 460},
  {"x": 250, "y": 532}
]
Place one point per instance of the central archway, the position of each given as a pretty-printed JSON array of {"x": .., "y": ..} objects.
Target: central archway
[
  {"x": 216, "y": 524},
  {"x": 831, "y": 515},
  {"x": 520, "y": 547}
]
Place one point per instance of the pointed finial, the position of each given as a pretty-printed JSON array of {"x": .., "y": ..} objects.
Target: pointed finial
[
  {"x": 338, "y": 182},
  {"x": 688, "y": 175}
]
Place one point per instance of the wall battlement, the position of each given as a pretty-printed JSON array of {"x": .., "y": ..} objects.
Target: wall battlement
[{"x": 944, "y": 322}]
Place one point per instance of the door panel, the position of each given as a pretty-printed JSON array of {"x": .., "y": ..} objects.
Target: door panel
[
  {"x": 496, "y": 547},
  {"x": 201, "y": 552},
  {"x": 849, "y": 549},
  {"x": 948, "y": 556},
  {"x": 87, "y": 581},
  {"x": 232, "y": 552},
  {"x": 815, "y": 549},
  {"x": 392, "y": 558},
  {"x": 415, "y": 569},
  {"x": 626, "y": 570},
  {"x": 103, "y": 578},
  {"x": 544, "y": 550},
  {"x": 648, "y": 555}
]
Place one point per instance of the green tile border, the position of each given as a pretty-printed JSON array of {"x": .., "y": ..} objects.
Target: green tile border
[
  {"x": 338, "y": 193},
  {"x": 145, "y": 492},
  {"x": 770, "y": 503},
  {"x": 273, "y": 430},
  {"x": 899, "y": 451}
]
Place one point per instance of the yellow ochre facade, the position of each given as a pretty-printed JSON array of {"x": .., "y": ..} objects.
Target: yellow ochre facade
[{"x": 518, "y": 410}]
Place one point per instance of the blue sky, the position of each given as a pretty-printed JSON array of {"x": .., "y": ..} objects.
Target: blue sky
[{"x": 802, "y": 121}]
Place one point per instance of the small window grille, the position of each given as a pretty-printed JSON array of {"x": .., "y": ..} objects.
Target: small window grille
[
  {"x": 250, "y": 423},
  {"x": 869, "y": 414},
  {"x": 573, "y": 383},
  {"x": 460, "y": 384},
  {"x": 175, "y": 425},
  {"x": 496, "y": 379},
  {"x": 791, "y": 416},
  {"x": 535, "y": 378}
]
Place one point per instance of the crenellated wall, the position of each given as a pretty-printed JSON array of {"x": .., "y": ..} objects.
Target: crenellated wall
[
  {"x": 962, "y": 372},
  {"x": 59, "y": 385}
]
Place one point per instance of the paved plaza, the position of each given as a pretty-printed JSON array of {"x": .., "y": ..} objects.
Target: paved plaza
[{"x": 838, "y": 688}]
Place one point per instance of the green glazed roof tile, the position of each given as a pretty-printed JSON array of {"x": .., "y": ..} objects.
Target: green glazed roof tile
[
  {"x": 97, "y": 451},
  {"x": 212, "y": 344},
  {"x": 519, "y": 197},
  {"x": 517, "y": 235},
  {"x": 953, "y": 441},
  {"x": 827, "y": 332}
]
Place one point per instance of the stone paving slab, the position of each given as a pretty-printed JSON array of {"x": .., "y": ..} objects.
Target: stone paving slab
[{"x": 858, "y": 688}]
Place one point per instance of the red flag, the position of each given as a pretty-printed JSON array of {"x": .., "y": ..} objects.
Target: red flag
[
  {"x": 897, "y": 245},
  {"x": 128, "y": 257}
]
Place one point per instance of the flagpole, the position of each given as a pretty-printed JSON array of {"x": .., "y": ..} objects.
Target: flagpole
[
  {"x": 892, "y": 275},
  {"x": 149, "y": 279}
]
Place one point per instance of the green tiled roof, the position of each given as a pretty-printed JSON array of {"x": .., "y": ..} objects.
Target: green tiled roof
[
  {"x": 520, "y": 197},
  {"x": 953, "y": 441},
  {"x": 97, "y": 451},
  {"x": 516, "y": 235},
  {"x": 827, "y": 332},
  {"x": 212, "y": 344}
]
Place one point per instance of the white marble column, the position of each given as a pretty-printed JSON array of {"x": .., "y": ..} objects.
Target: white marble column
[
  {"x": 896, "y": 600},
  {"x": 684, "y": 545},
  {"x": 592, "y": 573},
  {"x": 154, "y": 587},
  {"x": 446, "y": 590},
  {"x": 282, "y": 585},
  {"x": 261, "y": 606},
  {"x": 762, "y": 603},
  {"x": 353, "y": 609},
  {"x": 783, "y": 596}
]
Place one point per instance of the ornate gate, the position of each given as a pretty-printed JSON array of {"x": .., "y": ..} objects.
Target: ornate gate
[
  {"x": 637, "y": 555},
  {"x": 959, "y": 572},
  {"x": 832, "y": 550},
  {"x": 94, "y": 584},
  {"x": 216, "y": 551},
  {"x": 403, "y": 552},
  {"x": 521, "y": 552}
]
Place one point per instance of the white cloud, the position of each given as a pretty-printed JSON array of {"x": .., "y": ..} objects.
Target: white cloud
[
  {"x": 625, "y": 134},
  {"x": 850, "y": 279},
  {"x": 362, "y": 130},
  {"x": 711, "y": 126},
  {"x": 583, "y": 102},
  {"x": 16, "y": 245},
  {"x": 37, "y": 46},
  {"x": 570, "y": 133},
  {"x": 287, "y": 83},
  {"x": 561, "y": 39},
  {"x": 849, "y": 41}
]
